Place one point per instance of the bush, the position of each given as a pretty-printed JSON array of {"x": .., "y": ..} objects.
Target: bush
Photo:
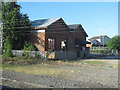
[
  {"x": 8, "y": 52},
  {"x": 26, "y": 54},
  {"x": 19, "y": 60},
  {"x": 29, "y": 47},
  {"x": 37, "y": 56}
]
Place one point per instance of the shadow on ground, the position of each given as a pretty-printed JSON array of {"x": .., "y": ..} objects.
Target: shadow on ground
[
  {"x": 105, "y": 57},
  {"x": 8, "y": 88}
]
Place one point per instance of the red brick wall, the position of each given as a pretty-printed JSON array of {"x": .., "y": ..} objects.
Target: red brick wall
[{"x": 38, "y": 39}]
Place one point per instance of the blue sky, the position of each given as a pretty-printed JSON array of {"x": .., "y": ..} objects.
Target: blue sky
[{"x": 97, "y": 18}]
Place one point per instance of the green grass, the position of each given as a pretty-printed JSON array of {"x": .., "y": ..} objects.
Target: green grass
[
  {"x": 46, "y": 68},
  {"x": 41, "y": 67},
  {"x": 51, "y": 70},
  {"x": 92, "y": 62}
]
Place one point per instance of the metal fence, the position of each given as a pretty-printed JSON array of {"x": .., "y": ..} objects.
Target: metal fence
[
  {"x": 103, "y": 52},
  {"x": 92, "y": 48}
]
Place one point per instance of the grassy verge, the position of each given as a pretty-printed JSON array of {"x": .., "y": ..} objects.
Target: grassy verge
[
  {"x": 45, "y": 69},
  {"x": 21, "y": 60},
  {"x": 92, "y": 62},
  {"x": 50, "y": 70},
  {"x": 42, "y": 67}
]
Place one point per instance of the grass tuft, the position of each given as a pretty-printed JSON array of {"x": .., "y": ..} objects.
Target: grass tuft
[{"x": 92, "y": 62}]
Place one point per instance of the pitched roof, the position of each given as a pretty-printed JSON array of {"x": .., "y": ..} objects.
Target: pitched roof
[
  {"x": 74, "y": 26},
  {"x": 43, "y": 22},
  {"x": 98, "y": 37}
]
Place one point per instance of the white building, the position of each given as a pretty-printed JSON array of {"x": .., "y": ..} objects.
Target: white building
[{"x": 99, "y": 40}]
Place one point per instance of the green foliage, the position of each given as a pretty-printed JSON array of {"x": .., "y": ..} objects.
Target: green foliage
[
  {"x": 92, "y": 62},
  {"x": 8, "y": 52},
  {"x": 114, "y": 43},
  {"x": 37, "y": 56},
  {"x": 19, "y": 60},
  {"x": 15, "y": 24},
  {"x": 29, "y": 47}
]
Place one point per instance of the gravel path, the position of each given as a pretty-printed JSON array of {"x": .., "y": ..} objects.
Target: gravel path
[{"x": 86, "y": 76}]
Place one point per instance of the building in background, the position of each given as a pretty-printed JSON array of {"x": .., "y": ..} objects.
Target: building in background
[{"x": 99, "y": 41}]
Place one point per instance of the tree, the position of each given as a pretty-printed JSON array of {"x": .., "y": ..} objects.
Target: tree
[
  {"x": 114, "y": 43},
  {"x": 15, "y": 24}
]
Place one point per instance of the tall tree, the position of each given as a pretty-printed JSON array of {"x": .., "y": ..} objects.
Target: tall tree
[
  {"x": 15, "y": 24},
  {"x": 114, "y": 43}
]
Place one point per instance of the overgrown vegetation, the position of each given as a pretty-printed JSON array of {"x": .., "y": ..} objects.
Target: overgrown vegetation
[
  {"x": 38, "y": 69},
  {"x": 15, "y": 25},
  {"x": 29, "y": 47},
  {"x": 92, "y": 62},
  {"x": 19, "y": 60},
  {"x": 8, "y": 52},
  {"x": 22, "y": 60},
  {"x": 42, "y": 67},
  {"x": 114, "y": 43}
]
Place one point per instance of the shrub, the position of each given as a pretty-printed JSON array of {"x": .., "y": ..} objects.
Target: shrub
[
  {"x": 8, "y": 52},
  {"x": 28, "y": 47},
  {"x": 19, "y": 60},
  {"x": 37, "y": 56},
  {"x": 26, "y": 54}
]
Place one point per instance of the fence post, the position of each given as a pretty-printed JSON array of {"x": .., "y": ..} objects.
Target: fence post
[{"x": 45, "y": 53}]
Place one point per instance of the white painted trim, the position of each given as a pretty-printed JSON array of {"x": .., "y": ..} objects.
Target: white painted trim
[{"x": 37, "y": 31}]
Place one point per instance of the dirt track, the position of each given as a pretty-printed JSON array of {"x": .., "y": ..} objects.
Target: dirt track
[{"x": 85, "y": 76}]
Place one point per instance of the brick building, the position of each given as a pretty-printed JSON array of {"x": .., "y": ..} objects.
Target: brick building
[
  {"x": 50, "y": 34},
  {"x": 56, "y": 35}
]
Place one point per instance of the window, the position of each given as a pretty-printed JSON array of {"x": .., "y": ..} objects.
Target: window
[
  {"x": 63, "y": 44},
  {"x": 51, "y": 44}
]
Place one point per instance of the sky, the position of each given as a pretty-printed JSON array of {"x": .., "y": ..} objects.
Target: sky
[{"x": 97, "y": 18}]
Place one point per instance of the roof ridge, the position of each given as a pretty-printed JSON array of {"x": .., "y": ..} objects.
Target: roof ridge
[
  {"x": 100, "y": 35},
  {"x": 45, "y": 19}
]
